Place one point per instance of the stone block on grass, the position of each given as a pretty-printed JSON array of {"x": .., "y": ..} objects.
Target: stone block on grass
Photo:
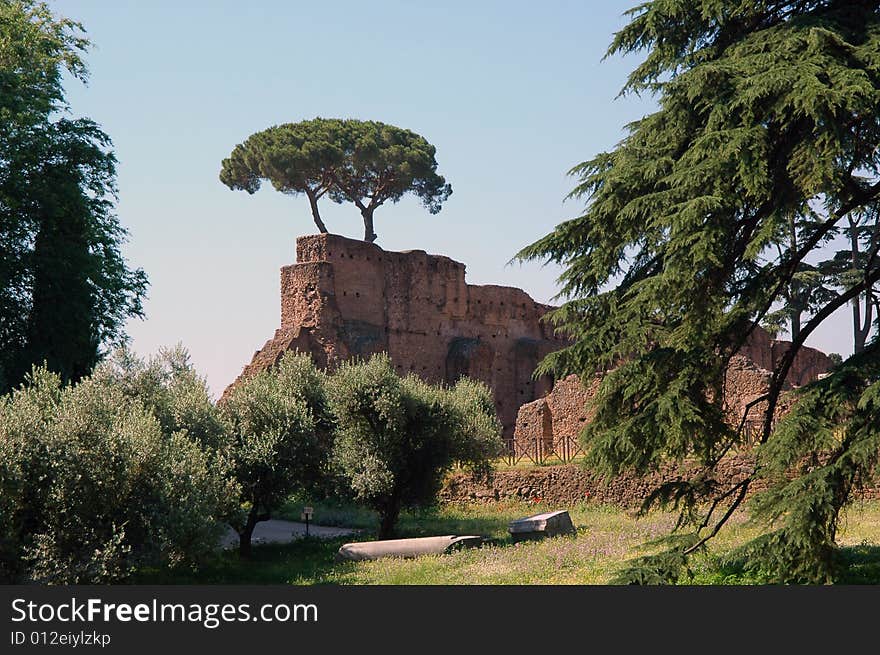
[{"x": 548, "y": 524}]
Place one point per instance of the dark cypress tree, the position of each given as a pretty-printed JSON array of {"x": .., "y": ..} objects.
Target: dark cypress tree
[{"x": 65, "y": 290}]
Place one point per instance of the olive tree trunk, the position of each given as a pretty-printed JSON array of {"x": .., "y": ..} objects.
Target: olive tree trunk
[
  {"x": 388, "y": 515},
  {"x": 246, "y": 532}
]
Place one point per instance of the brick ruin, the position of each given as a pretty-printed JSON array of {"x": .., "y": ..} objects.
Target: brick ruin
[
  {"x": 345, "y": 298},
  {"x": 551, "y": 424}
]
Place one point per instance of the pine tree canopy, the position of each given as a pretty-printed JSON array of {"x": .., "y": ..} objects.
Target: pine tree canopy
[
  {"x": 698, "y": 225},
  {"x": 366, "y": 163}
]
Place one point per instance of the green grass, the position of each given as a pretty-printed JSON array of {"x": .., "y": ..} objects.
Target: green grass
[
  {"x": 486, "y": 520},
  {"x": 607, "y": 536}
]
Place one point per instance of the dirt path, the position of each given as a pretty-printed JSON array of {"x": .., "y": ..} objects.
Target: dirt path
[{"x": 281, "y": 532}]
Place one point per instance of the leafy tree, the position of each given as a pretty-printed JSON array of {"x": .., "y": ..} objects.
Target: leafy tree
[
  {"x": 363, "y": 162},
  {"x": 25, "y": 469},
  {"x": 848, "y": 268},
  {"x": 767, "y": 111},
  {"x": 65, "y": 290},
  {"x": 809, "y": 289},
  {"x": 168, "y": 387},
  {"x": 397, "y": 437},
  {"x": 11, "y": 534},
  {"x": 383, "y": 163},
  {"x": 294, "y": 157},
  {"x": 278, "y": 441}
]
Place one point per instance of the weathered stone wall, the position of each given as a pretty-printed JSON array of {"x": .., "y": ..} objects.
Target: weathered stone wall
[
  {"x": 745, "y": 382},
  {"x": 570, "y": 483},
  {"x": 346, "y": 298},
  {"x": 566, "y": 408},
  {"x": 558, "y": 415},
  {"x": 766, "y": 353}
]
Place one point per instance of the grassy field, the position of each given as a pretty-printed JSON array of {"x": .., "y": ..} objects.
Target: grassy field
[{"x": 606, "y": 538}]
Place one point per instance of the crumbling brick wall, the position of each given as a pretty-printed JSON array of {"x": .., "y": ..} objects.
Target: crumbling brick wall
[
  {"x": 346, "y": 298},
  {"x": 562, "y": 485},
  {"x": 544, "y": 425},
  {"x": 564, "y": 411}
]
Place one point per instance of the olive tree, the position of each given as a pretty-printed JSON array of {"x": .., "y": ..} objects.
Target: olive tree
[
  {"x": 278, "y": 440},
  {"x": 366, "y": 163},
  {"x": 397, "y": 437},
  {"x": 171, "y": 389}
]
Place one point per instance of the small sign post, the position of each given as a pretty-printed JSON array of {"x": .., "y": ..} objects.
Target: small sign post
[{"x": 306, "y": 516}]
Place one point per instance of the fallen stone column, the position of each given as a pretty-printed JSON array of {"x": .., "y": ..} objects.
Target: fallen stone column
[{"x": 409, "y": 548}]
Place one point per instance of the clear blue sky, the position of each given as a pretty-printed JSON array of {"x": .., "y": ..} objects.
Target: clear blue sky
[{"x": 512, "y": 94}]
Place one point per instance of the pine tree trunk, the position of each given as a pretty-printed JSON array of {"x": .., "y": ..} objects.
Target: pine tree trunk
[
  {"x": 316, "y": 215},
  {"x": 244, "y": 543},
  {"x": 862, "y": 331},
  {"x": 795, "y": 326},
  {"x": 795, "y": 315},
  {"x": 858, "y": 333},
  {"x": 369, "y": 233}
]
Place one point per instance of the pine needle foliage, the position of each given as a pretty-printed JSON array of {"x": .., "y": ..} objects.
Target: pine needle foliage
[
  {"x": 767, "y": 123},
  {"x": 820, "y": 455},
  {"x": 366, "y": 163}
]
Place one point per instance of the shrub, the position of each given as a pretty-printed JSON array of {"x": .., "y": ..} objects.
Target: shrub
[
  {"x": 10, "y": 532},
  {"x": 397, "y": 437},
  {"x": 278, "y": 442},
  {"x": 99, "y": 488},
  {"x": 24, "y": 467},
  {"x": 169, "y": 388}
]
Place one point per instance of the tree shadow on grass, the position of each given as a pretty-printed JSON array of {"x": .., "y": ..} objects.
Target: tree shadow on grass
[
  {"x": 314, "y": 561},
  {"x": 304, "y": 561},
  {"x": 301, "y": 562},
  {"x": 859, "y": 564},
  {"x": 426, "y": 522},
  {"x": 329, "y": 512},
  {"x": 855, "y": 565}
]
